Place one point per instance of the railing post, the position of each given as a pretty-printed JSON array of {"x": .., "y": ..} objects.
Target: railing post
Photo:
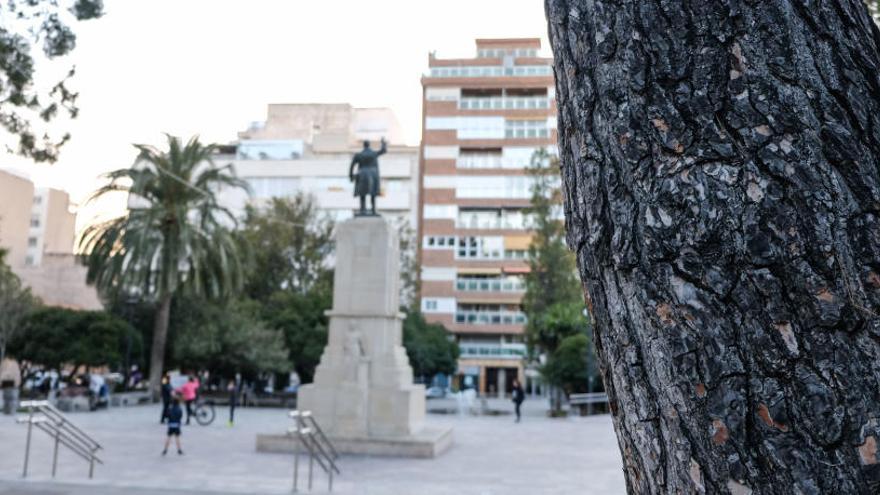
[
  {"x": 27, "y": 446},
  {"x": 311, "y": 464},
  {"x": 296, "y": 448},
  {"x": 55, "y": 453},
  {"x": 92, "y": 464}
]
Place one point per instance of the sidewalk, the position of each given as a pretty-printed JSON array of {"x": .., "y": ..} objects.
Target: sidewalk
[{"x": 491, "y": 455}]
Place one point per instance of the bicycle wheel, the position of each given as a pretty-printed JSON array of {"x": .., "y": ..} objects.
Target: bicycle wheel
[{"x": 205, "y": 414}]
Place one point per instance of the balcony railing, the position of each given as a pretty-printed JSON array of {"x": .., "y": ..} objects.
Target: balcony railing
[
  {"x": 485, "y": 223},
  {"x": 495, "y": 351},
  {"x": 505, "y": 103},
  {"x": 489, "y": 285},
  {"x": 490, "y": 317},
  {"x": 491, "y": 71}
]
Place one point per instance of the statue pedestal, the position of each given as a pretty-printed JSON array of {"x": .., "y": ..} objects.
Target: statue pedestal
[{"x": 363, "y": 394}]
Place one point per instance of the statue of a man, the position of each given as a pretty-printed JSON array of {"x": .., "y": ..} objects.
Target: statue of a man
[{"x": 366, "y": 180}]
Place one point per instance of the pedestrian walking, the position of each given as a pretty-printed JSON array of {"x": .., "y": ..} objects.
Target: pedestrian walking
[
  {"x": 189, "y": 391},
  {"x": 232, "y": 388},
  {"x": 166, "y": 397},
  {"x": 175, "y": 415},
  {"x": 518, "y": 397}
]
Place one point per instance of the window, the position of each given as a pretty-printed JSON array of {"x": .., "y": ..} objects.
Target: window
[
  {"x": 439, "y": 242},
  {"x": 32, "y": 242},
  {"x": 526, "y": 129},
  {"x": 490, "y": 248},
  {"x": 430, "y": 304},
  {"x": 492, "y": 71},
  {"x": 29, "y": 260},
  {"x": 35, "y": 220},
  {"x": 269, "y": 187},
  {"x": 38, "y": 200}
]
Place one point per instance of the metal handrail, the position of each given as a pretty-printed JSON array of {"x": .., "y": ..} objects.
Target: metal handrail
[
  {"x": 57, "y": 426},
  {"x": 318, "y": 446}
]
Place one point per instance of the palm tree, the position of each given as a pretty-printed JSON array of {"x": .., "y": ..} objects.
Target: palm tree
[{"x": 175, "y": 236}]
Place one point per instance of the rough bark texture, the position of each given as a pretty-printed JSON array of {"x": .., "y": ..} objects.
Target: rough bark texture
[
  {"x": 720, "y": 163},
  {"x": 157, "y": 354}
]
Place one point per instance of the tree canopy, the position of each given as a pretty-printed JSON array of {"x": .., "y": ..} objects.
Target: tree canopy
[
  {"x": 428, "y": 346},
  {"x": 16, "y": 302},
  {"x": 176, "y": 237},
  {"x": 25, "y": 109}
]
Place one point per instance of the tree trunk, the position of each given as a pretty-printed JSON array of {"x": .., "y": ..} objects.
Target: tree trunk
[
  {"x": 157, "y": 354},
  {"x": 720, "y": 168}
]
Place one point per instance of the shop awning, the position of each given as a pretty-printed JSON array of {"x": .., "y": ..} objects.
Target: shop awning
[
  {"x": 517, "y": 269},
  {"x": 478, "y": 271},
  {"x": 517, "y": 242}
]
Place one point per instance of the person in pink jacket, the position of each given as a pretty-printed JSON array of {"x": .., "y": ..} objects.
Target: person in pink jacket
[{"x": 188, "y": 392}]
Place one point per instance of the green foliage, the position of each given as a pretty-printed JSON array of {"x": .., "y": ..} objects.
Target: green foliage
[
  {"x": 549, "y": 328},
  {"x": 300, "y": 317},
  {"x": 56, "y": 336},
  {"x": 409, "y": 268},
  {"x": 568, "y": 366},
  {"x": 174, "y": 236},
  {"x": 289, "y": 242},
  {"x": 552, "y": 281},
  {"x": 24, "y": 25},
  {"x": 226, "y": 339},
  {"x": 16, "y": 302},
  {"x": 428, "y": 346}
]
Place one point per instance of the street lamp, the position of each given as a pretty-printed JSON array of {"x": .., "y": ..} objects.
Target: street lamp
[{"x": 132, "y": 298}]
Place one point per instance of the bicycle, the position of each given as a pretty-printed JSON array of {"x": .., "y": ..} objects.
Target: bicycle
[{"x": 204, "y": 412}]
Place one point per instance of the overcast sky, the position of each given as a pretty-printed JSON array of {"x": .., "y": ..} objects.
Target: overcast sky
[{"x": 210, "y": 67}]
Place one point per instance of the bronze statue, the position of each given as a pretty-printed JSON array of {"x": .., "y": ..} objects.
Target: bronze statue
[{"x": 366, "y": 181}]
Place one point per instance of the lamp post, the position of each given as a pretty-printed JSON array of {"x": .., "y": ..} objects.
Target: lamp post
[{"x": 131, "y": 300}]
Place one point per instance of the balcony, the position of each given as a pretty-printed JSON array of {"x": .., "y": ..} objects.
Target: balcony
[
  {"x": 490, "y": 285},
  {"x": 504, "y": 103},
  {"x": 492, "y": 351},
  {"x": 466, "y": 317},
  {"x": 491, "y": 71}
]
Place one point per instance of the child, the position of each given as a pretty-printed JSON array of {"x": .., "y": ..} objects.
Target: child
[{"x": 175, "y": 415}]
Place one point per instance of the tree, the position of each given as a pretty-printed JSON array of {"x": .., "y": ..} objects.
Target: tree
[
  {"x": 289, "y": 242},
  {"x": 16, "y": 302},
  {"x": 428, "y": 346},
  {"x": 552, "y": 277},
  {"x": 227, "y": 339},
  {"x": 174, "y": 237},
  {"x": 25, "y": 24},
  {"x": 56, "y": 336},
  {"x": 553, "y": 303},
  {"x": 568, "y": 366},
  {"x": 301, "y": 319},
  {"x": 719, "y": 163}
]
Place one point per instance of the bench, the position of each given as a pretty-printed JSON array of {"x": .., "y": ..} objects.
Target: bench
[{"x": 586, "y": 401}]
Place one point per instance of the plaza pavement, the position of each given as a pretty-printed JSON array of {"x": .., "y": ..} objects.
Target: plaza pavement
[{"x": 491, "y": 456}]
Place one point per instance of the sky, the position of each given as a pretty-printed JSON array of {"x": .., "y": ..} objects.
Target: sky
[{"x": 210, "y": 67}]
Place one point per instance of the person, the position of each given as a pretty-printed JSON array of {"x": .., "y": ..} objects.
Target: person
[
  {"x": 518, "y": 397},
  {"x": 175, "y": 414},
  {"x": 166, "y": 397},
  {"x": 232, "y": 388},
  {"x": 189, "y": 392}
]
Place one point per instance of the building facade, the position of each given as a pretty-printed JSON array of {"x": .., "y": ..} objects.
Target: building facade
[
  {"x": 483, "y": 120},
  {"x": 308, "y": 148},
  {"x": 38, "y": 229}
]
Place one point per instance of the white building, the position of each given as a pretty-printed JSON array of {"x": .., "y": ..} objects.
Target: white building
[{"x": 308, "y": 148}]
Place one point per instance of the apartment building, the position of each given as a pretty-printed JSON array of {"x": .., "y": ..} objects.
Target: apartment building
[
  {"x": 38, "y": 229},
  {"x": 308, "y": 148},
  {"x": 483, "y": 120}
]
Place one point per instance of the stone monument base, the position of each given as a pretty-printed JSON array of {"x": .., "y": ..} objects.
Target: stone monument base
[{"x": 427, "y": 443}]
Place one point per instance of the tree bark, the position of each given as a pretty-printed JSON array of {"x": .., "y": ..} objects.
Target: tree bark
[
  {"x": 720, "y": 168},
  {"x": 157, "y": 354}
]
